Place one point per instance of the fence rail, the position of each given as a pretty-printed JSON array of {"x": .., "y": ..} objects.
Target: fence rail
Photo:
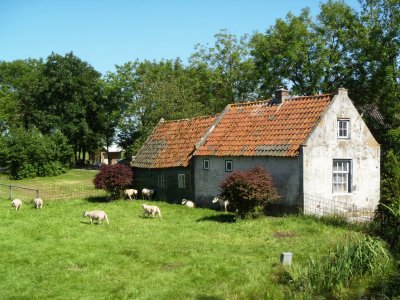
[
  {"x": 17, "y": 188},
  {"x": 319, "y": 206},
  {"x": 51, "y": 192}
]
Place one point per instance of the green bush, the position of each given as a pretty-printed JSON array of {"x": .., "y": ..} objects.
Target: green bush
[
  {"x": 388, "y": 219},
  {"x": 248, "y": 192},
  {"x": 113, "y": 179},
  {"x": 29, "y": 153}
]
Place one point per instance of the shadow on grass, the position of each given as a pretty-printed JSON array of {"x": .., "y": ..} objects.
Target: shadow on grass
[
  {"x": 222, "y": 218},
  {"x": 207, "y": 297},
  {"x": 94, "y": 223},
  {"x": 97, "y": 199}
]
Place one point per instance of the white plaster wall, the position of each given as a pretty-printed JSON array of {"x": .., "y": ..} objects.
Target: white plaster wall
[
  {"x": 286, "y": 174},
  {"x": 323, "y": 146}
]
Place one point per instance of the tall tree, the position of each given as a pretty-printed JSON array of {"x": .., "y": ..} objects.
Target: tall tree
[
  {"x": 230, "y": 69},
  {"x": 151, "y": 91},
  {"x": 290, "y": 53},
  {"x": 19, "y": 85},
  {"x": 380, "y": 59},
  {"x": 70, "y": 90}
]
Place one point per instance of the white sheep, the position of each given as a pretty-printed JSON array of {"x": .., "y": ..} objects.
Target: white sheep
[
  {"x": 188, "y": 203},
  {"x": 16, "y": 203},
  {"x": 131, "y": 193},
  {"x": 96, "y": 215},
  {"x": 38, "y": 203},
  {"x": 147, "y": 193},
  {"x": 222, "y": 202},
  {"x": 151, "y": 210}
]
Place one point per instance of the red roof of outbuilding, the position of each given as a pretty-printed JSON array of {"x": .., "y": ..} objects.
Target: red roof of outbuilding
[{"x": 171, "y": 144}]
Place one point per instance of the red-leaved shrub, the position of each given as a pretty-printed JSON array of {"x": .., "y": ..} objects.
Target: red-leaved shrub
[
  {"x": 248, "y": 192},
  {"x": 113, "y": 179}
]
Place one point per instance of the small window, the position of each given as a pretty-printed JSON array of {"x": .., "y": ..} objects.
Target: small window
[
  {"x": 228, "y": 166},
  {"x": 341, "y": 180},
  {"x": 181, "y": 181},
  {"x": 343, "y": 128},
  {"x": 162, "y": 182},
  {"x": 206, "y": 164}
]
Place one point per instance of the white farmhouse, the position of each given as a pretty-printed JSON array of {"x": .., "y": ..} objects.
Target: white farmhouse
[{"x": 321, "y": 155}]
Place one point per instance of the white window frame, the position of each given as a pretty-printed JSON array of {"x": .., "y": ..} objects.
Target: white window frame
[
  {"x": 206, "y": 164},
  {"x": 343, "y": 128},
  {"x": 181, "y": 181},
  {"x": 228, "y": 165},
  {"x": 341, "y": 176}
]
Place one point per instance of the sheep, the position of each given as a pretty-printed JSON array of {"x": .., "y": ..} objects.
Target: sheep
[
  {"x": 96, "y": 215},
  {"x": 151, "y": 210},
  {"x": 147, "y": 193},
  {"x": 131, "y": 193},
  {"x": 38, "y": 203},
  {"x": 222, "y": 202},
  {"x": 16, "y": 203},
  {"x": 188, "y": 203}
]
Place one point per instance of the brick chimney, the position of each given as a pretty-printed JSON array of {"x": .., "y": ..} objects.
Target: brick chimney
[{"x": 281, "y": 95}]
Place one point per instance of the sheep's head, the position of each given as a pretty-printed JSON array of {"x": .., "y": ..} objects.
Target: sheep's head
[
  {"x": 183, "y": 201},
  {"x": 84, "y": 214},
  {"x": 215, "y": 200}
]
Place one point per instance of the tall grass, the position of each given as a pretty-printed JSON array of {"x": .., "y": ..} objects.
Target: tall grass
[{"x": 334, "y": 272}]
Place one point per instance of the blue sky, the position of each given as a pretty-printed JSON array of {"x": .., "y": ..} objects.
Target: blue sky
[{"x": 109, "y": 32}]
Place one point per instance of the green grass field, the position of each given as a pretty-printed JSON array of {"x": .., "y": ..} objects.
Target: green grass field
[
  {"x": 76, "y": 183},
  {"x": 55, "y": 253}
]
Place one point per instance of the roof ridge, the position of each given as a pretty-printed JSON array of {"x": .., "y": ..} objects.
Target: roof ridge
[
  {"x": 291, "y": 98},
  {"x": 310, "y": 96},
  {"x": 193, "y": 118}
]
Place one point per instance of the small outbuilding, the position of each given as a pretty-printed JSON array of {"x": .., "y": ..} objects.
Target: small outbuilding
[{"x": 102, "y": 155}]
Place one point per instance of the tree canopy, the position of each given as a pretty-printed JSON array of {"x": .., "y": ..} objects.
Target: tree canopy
[{"x": 338, "y": 47}]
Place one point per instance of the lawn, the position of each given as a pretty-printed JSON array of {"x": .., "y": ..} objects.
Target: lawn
[{"x": 55, "y": 253}]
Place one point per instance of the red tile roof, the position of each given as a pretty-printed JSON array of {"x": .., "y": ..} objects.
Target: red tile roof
[
  {"x": 172, "y": 143},
  {"x": 243, "y": 129},
  {"x": 261, "y": 129}
]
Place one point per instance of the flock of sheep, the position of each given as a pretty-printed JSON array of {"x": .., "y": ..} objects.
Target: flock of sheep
[{"x": 148, "y": 210}]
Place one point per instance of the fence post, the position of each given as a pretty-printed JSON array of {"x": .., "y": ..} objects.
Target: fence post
[{"x": 10, "y": 192}]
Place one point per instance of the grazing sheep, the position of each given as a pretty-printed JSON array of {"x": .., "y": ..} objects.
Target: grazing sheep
[
  {"x": 38, "y": 203},
  {"x": 96, "y": 215},
  {"x": 16, "y": 203},
  {"x": 131, "y": 193},
  {"x": 188, "y": 203},
  {"x": 222, "y": 202},
  {"x": 147, "y": 193},
  {"x": 151, "y": 210}
]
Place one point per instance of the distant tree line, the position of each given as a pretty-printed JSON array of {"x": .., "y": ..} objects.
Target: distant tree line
[{"x": 64, "y": 98}]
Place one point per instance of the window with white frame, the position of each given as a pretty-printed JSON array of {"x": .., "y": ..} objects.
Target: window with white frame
[
  {"x": 181, "y": 181},
  {"x": 343, "y": 126},
  {"x": 228, "y": 166},
  {"x": 341, "y": 177},
  {"x": 206, "y": 164},
  {"x": 162, "y": 181}
]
